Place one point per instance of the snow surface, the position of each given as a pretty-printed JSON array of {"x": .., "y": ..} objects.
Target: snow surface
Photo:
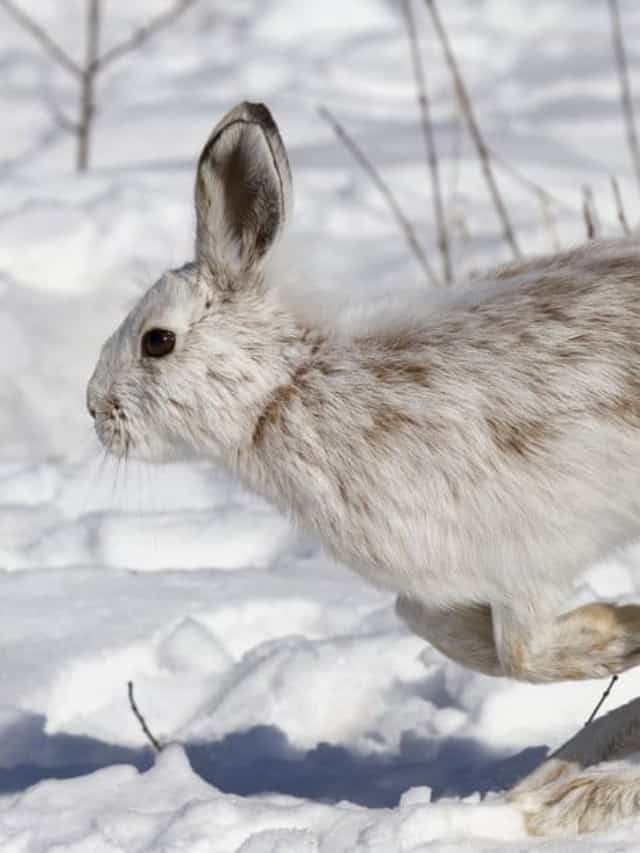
[{"x": 302, "y": 716}]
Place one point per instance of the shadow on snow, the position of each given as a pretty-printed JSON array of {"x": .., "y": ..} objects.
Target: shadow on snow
[{"x": 261, "y": 760}]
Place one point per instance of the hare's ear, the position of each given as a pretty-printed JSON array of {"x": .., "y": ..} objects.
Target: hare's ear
[{"x": 243, "y": 190}]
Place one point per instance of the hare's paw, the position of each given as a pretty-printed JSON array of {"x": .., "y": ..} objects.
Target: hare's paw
[
  {"x": 593, "y": 641},
  {"x": 626, "y": 633},
  {"x": 607, "y": 636},
  {"x": 572, "y": 800}
]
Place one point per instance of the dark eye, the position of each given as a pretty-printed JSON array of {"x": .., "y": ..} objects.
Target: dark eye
[{"x": 158, "y": 342}]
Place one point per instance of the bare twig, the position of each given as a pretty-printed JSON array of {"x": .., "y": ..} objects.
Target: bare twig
[
  {"x": 53, "y": 49},
  {"x": 60, "y": 118},
  {"x": 588, "y": 212},
  {"x": 625, "y": 88},
  {"x": 622, "y": 219},
  {"x": 63, "y": 121},
  {"x": 454, "y": 158},
  {"x": 474, "y": 130},
  {"x": 509, "y": 169},
  {"x": 87, "y": 90},
  {"x": 93, "y": 65},
  {"x": 143, "y": 723},
  {"x": 592, "y": 716},
  {"x": 549, "y": 221},
  {"x": 370, "y": 169},
  {"x": 429, "y": 141},
  {"x": 143, "y": 34}
]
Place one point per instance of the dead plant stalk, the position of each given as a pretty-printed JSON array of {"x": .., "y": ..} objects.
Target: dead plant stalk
[
  {"x": 383, "y": 188},
  {"x": 474, "y": 129},
  {"x": 429, "y": 142}
]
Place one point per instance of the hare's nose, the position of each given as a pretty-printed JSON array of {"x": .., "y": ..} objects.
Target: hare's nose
[{"x": 91, "y": 403}]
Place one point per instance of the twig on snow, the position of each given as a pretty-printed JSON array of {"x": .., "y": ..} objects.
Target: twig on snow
[
  {"x": 429, "y": 141},
  {"x": 373, "y": 173},
  {"x": 474, "y": 129},
  {"x": 155, "y": 743}
]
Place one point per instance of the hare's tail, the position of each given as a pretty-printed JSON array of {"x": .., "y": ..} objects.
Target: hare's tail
[{"x": 586, "y": 785}]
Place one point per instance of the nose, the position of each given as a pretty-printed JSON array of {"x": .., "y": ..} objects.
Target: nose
[{"x": 90, "y": 403}]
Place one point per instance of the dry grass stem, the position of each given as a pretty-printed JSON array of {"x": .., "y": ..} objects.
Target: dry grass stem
[
  {"x": 370, "y": 169},
  {"x": 622, "y": 219},
  {"x": 549, "y": 221},
  {"x": 474, "y": 129},
  {"x": 589, "y": 213},
  {"x": 429, "y": 141},
  {"x": 625, "y": 87},
  {"x": 42, "y": 36}
]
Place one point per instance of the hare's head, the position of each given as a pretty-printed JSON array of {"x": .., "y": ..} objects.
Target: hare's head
[{"x": 195, "y": 362}]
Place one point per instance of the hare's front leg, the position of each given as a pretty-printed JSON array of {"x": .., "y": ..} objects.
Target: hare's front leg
[
  {"x": 464, "y": 634},
  {"x": 590, "y": 642}
]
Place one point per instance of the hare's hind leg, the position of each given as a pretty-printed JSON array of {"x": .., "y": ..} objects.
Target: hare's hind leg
[
  {"x": 566, "y": 799},
  {"x": 590, "y": 642},
  {"x": 464, "y": 634},
  {"x": 585, "y": 785}
]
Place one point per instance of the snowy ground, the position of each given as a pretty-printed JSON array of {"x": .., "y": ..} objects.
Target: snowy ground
[{"x": 303, "y": 716}]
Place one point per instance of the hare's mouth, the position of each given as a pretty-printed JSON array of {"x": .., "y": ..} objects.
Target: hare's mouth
[{"x": 112, "y": 429}]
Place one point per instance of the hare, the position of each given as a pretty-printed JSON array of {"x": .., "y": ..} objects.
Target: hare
[{"x": 473, "y": 457}]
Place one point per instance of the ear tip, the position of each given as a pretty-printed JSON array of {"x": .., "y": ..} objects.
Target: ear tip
[
  {"x": 256, "y": 110},
  {"x": 258, "y": 113}
]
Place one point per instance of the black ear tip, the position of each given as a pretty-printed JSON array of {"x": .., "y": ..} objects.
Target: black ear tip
[{"x": 259, "y": 113}]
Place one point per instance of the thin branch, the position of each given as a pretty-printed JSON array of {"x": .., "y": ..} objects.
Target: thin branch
[
  {"x": 588, "y": 212},
  {"x": 549, "y": 221},
  {"x": 454, "y": 158},
  {"x": 625, "y": 88},
  {"x": 622, "y": 219},
  {"x": 42, "y": 37},
  {"x": 59, "y": 116},
  {"x": 61, "y": 119},
  {"x": 143, "y": 723},
  {"x": 527, "y": 183},
  {"x": 370, "y": 169},
  {"x": 87, "y": 89},
  {"x": 143, "y": 34},
  {"x": 592, "y": 716},
  {"x": 474, "y": 130},
  {"x": 429, "y": 142}
]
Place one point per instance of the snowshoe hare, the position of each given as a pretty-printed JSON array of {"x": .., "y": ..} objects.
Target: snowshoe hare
[{"x": 474, "y": 459}]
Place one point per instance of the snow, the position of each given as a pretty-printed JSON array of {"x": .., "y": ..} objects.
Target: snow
[{"x": 300, "y": 715}]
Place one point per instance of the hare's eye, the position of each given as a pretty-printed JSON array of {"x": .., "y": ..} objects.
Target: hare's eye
[{"x": 158, "y": 342}]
